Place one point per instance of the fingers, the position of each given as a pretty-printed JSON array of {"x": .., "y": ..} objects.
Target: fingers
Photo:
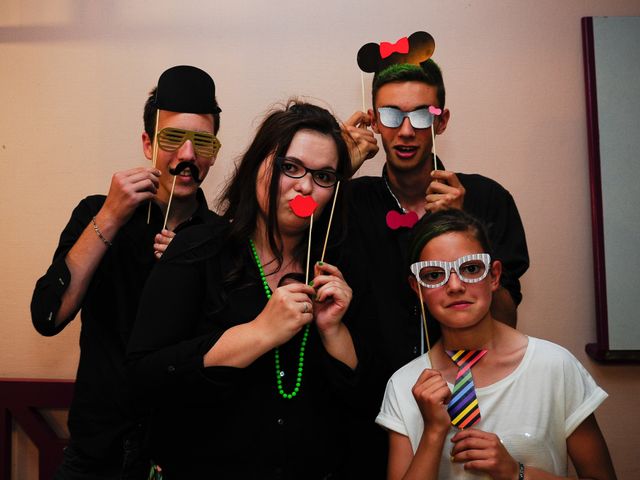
[
  {"x": 162, "y": 241},
  {"x": 307, "y": 307},
  {"x": 472, "y": 438},
  {"x": 358, "y": 119},
  {"x": 450, "y": 178},
  {"x": 139, "y": 179},
  {"x": 325, "y": 268},
  {"x": 329, "y": 283},
  {"x": 431, "y": 393},
  {"x": 296, "y": 299},
  {"x": 297, "y": 287},
  {"x": 128, "y": 190},
  {"x": 362, "y": 142},
  {"x": 431, "y": 387},
  {"x": 335, "y": 290},
  {"x": 364, "y": 139},
  {"x": 428, "y": 373},
  {"x": 288, "y": 310},
  {"x": 484, "y": 452},
  {"x": 444, "y": 191},
  {"x": 134, "y": 184}
]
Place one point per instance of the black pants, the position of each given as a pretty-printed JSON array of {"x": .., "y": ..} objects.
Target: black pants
[{"x": 132, "y": 465}]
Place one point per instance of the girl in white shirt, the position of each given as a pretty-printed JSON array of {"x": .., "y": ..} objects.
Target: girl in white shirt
[{"x": 536, "y": 400}]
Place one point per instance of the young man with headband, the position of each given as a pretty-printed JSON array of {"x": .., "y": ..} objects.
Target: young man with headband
[{"x": 409, "y": 113}]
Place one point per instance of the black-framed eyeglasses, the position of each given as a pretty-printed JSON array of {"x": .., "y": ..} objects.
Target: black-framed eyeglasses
[
  {"x": 204, "y": 144},
  {"x": 293, "y": 169},
  {"x": 392, "y": 117}
]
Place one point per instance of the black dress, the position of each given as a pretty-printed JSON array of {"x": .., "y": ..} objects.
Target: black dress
[{"x": 224, "y": 422}]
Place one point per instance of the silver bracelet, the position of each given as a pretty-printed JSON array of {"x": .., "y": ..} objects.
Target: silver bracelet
[
  {"x": 520, "y": 471},
  {"x": 99, "y": 233}
]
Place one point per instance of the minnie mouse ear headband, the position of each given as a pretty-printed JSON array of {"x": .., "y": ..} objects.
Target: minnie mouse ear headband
[
  {"x": 186, "y": 89},
  {"x": 415, "y": 49}
]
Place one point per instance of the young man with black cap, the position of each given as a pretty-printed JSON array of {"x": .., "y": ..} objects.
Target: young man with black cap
[{"x": 104, "y": 256}]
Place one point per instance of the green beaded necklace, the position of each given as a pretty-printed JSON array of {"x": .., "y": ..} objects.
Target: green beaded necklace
[{"x": 303, "y": 344}]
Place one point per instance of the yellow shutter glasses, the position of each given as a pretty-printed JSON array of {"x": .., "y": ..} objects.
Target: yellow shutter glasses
[{"x": 204, "y": 144}]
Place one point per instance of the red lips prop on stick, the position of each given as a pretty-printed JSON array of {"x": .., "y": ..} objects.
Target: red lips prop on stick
[
  {"x": 396, "y": 220},
  {"x": 304, "y": 207}
]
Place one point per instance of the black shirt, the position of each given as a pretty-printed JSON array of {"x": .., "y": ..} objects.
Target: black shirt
[
  {"x": 101, "y": 412},
  {"x": 226, "y": 422},
  {"x": 394, "y": 336}
]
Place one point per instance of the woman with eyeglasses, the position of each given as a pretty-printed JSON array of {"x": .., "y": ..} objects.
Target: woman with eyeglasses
[
  {"x": 250, "y": 372},
  {"x": 486, "y": 401}
]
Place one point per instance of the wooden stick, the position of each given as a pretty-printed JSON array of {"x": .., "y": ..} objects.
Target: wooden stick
[
  {"x": 364, "y": 107},
  {"x": 333, "y": 206},
  {"x": 154, "y": 155},
  {"x": 306, "y": 278},
  {"x": 166, "y": 215},
  {"x": 424, "y": 323},
  {"x": 433, "y": 147}
]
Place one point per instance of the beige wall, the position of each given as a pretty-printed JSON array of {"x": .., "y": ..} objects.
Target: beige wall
[{"x": 75, "y": 74}]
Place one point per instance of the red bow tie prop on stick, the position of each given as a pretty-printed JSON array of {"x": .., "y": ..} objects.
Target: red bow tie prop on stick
[
  {"x": 304, "y": 207},
  {"x": 396, "y": 220},
  {"x": 401, "y": 46}
]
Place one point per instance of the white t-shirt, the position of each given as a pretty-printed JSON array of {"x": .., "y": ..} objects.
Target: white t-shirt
[{"x": 533, "y": 410}]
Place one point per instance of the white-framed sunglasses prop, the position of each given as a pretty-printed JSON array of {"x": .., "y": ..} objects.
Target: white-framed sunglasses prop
[
  {"x": 435, "y": 273},
  {"x": 392, "y": 117}
]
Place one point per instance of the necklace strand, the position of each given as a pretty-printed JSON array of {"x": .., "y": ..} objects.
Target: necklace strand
[
  {"x": 303, "y": 344},
  {"x": 385, "y": 177},
  {"x": 386, "y": 182}
]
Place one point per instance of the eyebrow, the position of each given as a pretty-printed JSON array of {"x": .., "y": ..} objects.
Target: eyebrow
[
  {"x": 187, "y": 130},
  {"x": 398, "y": 108},
  {"x": 300, "y": 162}
]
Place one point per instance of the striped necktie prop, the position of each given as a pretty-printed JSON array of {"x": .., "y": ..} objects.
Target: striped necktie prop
[{"x": 463, "y": 407}]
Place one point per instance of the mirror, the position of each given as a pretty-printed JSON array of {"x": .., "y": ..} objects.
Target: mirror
[{"x": 611, "y": 47}]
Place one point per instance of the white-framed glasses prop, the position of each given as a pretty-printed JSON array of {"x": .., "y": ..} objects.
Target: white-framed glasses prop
[
  {"x": 435, "y": 273},
  {"x": 393, "y": 117}
]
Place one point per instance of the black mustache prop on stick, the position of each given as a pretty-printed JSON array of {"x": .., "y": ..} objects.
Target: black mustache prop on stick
[
  {"x": 193, "y": 170},
  {"x": 181, "y": 167}
]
